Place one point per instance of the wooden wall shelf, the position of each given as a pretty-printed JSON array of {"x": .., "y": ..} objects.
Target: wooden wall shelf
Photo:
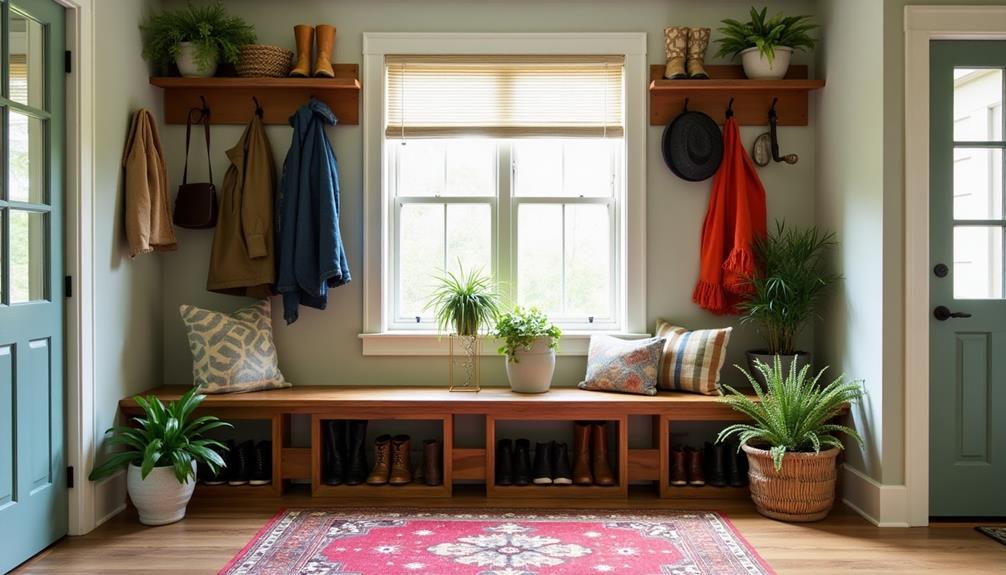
[
  {"x": 752, "y": 98},
  {"x": 230, "y": 99}
]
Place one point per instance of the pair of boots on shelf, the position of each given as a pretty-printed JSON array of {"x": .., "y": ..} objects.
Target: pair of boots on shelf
[
  {"x": 393, "y": 462},
  {"x": 590, "y": 465},
  {"x": 551, "y": 463},
  {"x": 345, "y": 460},
  {"x": 305, "y": 36},
  {"x": 686, "y": 52},
  {"x": 717, "y": 465},
  {"x": 248, "y": 463}
]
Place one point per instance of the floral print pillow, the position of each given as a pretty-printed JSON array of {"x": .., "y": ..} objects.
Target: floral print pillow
[{"x": 623, "y": 366}]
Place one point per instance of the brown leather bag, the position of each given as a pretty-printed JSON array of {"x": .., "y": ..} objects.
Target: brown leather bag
[{"x": 196, "y": 204}]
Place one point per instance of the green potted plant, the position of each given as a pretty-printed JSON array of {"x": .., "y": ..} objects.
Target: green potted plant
[
  {"x": 195, "y": 38},
  {"x": 765, "y": 44},
  {"x": 161, "y": 455},
  {"x": 464, "y": 302},
  {"x": 791, "y": 444},
  {"x": 784, "y": 294},
  {"x": 529, "y": 344}
]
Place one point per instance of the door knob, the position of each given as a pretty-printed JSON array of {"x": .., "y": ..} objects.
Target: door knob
[{"x": 942, "y": 313}]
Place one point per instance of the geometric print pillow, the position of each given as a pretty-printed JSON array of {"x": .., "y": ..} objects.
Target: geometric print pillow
[
  {"x": 233, "y": 353},
  {"x": 692, "y": 359},
  {"x": 623, "y": 366}
]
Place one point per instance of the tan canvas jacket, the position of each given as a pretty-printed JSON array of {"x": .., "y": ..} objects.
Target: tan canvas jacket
[{"x": 148, "y": 219}]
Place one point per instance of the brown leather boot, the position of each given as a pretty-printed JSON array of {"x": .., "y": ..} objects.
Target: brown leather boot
[
  {"x": 382, "y": 461},
  {"x": 304, "y": 35},
  {"x": 696, "y": 475},
  {"x": 432, "y": 464},
  {"x": 698, "y": 41},
  {"x": 323, "y": 60},
  {"x": 599, "y": 441},
  {"x": 675, "y": 47},
  {"x": 581, "y": 454},
  {"x": 679, "y": 467},
  {"x": 401, "y": 463}
]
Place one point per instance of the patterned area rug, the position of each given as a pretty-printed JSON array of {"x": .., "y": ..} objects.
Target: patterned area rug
[
  {"x": 997, "y": 533},
  {"x": 488, "y": 542}
]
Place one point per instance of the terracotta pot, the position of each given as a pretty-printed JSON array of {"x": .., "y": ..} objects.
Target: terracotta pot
[
  {"x": 159, "y": 499},
  {"x": 803, "y": 490},
  {"x": 757, "y": 67},
  {"x": 187, "y": 66},
  {"x": 533, "y": 368}
]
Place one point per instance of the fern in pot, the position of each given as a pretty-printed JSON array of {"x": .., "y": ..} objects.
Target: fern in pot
[
  {"x": 791, "y": 442},
  {"x": 764, "y": 44},
  {"x": 195, "y": 38},
  {"x": 161, "y": 453},
  {"x": 529, "y": 344}
]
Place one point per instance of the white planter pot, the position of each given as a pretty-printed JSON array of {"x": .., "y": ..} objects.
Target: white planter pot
[
  {"x": 532, "y": 372},
  {"x": 187, "y": 66},
  {"x": 159, "y": 499},
  {"x": 757, "y": 67}
]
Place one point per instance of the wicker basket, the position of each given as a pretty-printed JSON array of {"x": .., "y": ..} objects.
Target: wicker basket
[
  {"x": 262, "y": 61},
  {"x": 803, "y": 490}
]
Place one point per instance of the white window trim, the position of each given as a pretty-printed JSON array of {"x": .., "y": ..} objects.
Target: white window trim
[{"x": 376, "y": 45}]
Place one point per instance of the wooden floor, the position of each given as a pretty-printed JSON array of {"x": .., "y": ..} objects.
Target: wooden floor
[{"x": 215, "y": 530}]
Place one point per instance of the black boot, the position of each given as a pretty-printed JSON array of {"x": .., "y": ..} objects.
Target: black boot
[
  {"x": 220, "y": 477},
  {"x": 562, "y": 474},
  {"x": 738, "y": 467},
  {"x": 356, "y": 466},
  {"x": 716, "y": 461},
  {"x": 240, "y": 464},
  {"x": 504, "y": 462},
  {"x": 543, "y": 463},
  {"x": 335, "y": 451},
  {"x": 261, "y": 471},
  {"x": 522, "y": 462}
]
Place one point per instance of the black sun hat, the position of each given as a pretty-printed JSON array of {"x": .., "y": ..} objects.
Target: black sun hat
[{"x": 692, "y": 146}]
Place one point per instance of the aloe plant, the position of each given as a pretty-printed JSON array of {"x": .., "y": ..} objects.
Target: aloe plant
[
  {"x": 466, "y": 302},
  {"x": 793, "y": 412},
  {"x": 765, "y": 34},
  {"x": 165, "y": 437}
]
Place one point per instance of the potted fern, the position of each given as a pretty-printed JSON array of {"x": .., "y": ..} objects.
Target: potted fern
[
  {"x": 161, "y": 454},
  {"x": 766, "y": 44},
  {"x": 195, "y": 38},
  {"x": 529, "y": 344},
  {"x": 791, "y": 444}
]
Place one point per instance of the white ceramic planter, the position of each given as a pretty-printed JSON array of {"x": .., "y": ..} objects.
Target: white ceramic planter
[
  {"x": 757, "y": 67},
  {"x": 187, "y": 66},
  {"x": 532, "y": 372},
  {"x": 159, "y": 499}
]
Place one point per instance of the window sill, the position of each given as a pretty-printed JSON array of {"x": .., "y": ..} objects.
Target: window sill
[{"x": 431, "y": 344}]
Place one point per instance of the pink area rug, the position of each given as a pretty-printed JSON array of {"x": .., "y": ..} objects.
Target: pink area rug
[{"x": 489, "y": 542}]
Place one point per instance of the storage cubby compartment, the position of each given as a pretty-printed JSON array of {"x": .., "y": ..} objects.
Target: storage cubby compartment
[
  {"x": 697, "y": 439},
  {"x": 561, "y": 429},
  {"x": 355, "y": 439},
  {"x": 257, "y": 442}
]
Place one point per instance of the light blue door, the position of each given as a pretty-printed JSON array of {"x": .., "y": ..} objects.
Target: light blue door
[
  {"x": 33, "y": 496},
  {"x": 967, "y": 397}
]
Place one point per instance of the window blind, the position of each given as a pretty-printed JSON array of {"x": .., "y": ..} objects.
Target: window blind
[
  {"x": 504, "y": 96},
  {"x": 18, "y": 78}
]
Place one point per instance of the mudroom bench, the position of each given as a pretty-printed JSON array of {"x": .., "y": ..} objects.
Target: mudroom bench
[{"x": 298, "y": 465}]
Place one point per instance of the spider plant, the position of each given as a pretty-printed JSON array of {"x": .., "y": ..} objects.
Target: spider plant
[
  {"x": 165, "y": 437},
  {"x": 209, "y": 27},
  {"x": 765, "y": 34},
  {"x": 793, "y": 411},
  {"x": 464, "y": 302}
]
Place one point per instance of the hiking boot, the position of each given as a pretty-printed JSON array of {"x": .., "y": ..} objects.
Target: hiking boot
[
  {"x": 401, "y": 461},
  {"x": 382, "y": 461}
]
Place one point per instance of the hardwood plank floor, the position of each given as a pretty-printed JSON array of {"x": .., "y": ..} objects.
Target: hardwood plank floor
[{"x": 216, "y": 529}]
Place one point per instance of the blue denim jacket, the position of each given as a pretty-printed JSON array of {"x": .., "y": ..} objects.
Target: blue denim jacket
[{"x": 310, "y": 257}]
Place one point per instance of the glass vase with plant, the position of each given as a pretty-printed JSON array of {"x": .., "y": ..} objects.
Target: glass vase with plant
[
  {"x": 195, "y": 38},
  {"x": 529, "y": 342},
  {"x": 765, "y": 44}
]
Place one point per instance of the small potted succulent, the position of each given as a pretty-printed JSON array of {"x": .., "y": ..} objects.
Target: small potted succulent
[
  {"x": 765, "y": 45},
  {"x": 195, "y": 38},
  {"x": 529, "y": 344},
  {"x": 791, "y": 442},
  {"x": 161, "y": 454}
]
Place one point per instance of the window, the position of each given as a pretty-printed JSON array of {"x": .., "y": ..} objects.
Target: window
[{"x": 511, "y": 165}]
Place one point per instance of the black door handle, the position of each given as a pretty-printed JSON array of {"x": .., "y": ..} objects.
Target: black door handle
[{"x": 942, "y": 313}]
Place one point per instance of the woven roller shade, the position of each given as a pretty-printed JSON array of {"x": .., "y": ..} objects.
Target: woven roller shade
[{"x": 504, "y": 96}]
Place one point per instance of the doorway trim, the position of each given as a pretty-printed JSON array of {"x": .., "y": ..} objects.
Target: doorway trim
[{"x": 922, "y": 25}]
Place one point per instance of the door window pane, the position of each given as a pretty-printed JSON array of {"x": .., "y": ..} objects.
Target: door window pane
[
  {"x": 26, "y": 157},
  {"x": 978, "y": 262},
  {"x": 421, "y": 256},
  {"x": 26, "y": 60},
  {"x": 978, "y": 96},
  {"x": 588, "y": 261},
  {"x": 539, "y": 256},
  {"x": 978, "y": 183},
  {"x": 27, "y": 256}
]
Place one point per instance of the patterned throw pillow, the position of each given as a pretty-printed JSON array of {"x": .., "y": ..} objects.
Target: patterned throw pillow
[
  {"x": 233, "y": 353},
  {"x": 692, "y": 359},
  {"x": 624, "y": 366}
]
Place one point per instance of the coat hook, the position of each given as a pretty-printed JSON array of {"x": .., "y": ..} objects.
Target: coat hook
[
  {"x": 730, "y": 108},
  {"x": 766, "y": 146},
  {"x": 258, "y": 107},
  {"x": 685, "y": 109}
]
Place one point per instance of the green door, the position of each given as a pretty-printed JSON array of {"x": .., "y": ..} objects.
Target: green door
[
  {"x": 967, "y": 388},
  {"x": 33, "y": 498}
]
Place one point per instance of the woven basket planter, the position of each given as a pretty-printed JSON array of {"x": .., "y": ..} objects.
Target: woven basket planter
[
  {"x": 803, "y": 490},
  {"x": 262, "y": 61}
]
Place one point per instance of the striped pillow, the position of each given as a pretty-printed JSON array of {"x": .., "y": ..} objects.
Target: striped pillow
[{"x": 692, "y": 359}]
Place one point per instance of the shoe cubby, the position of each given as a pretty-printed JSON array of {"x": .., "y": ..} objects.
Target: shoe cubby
[
  {"x": 579, "y": 437},
  {"x": 253, "y": 460},
  {"x": 700, "y": 460},
  {"x": 369, "y": 445}
]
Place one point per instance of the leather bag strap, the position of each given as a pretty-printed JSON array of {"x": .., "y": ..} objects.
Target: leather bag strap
[{"x": 204, "y": 118}]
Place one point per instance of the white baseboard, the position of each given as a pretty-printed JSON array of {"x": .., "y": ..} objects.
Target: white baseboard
[
  {"x": 109, "y": 497},
  {"x": 882, "y": 505}
]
